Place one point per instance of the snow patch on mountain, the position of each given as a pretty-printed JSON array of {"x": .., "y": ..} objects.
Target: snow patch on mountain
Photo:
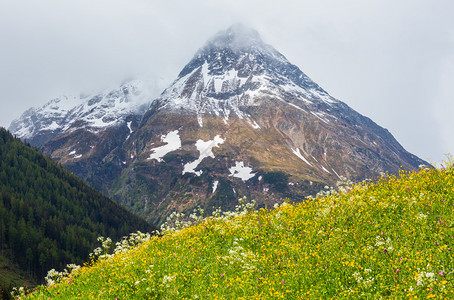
[
  {"x": 205, "y": 150},
  {"x": 215, "y": 186},
  {"x": 74, "y": 154},
  {"x": 320, "y": 116},
  {"x": 253, "y": 124},
  {"x": 324, "y": 169},
  {"x": 130, "y": 129},
  {"x": 239, "y": 170},
  {"x": 129, "y": 126},
  {"x": 173, "y": 143},
  {"x": 52, "y": 126},
  {"x": 298, "y": 153}
]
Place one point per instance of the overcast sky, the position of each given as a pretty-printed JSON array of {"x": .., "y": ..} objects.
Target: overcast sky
[{"x": 391, "y": 60}]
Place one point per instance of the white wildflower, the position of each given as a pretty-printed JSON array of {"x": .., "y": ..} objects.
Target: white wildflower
[
  {"x": 18, "y": 293},
  {"x": 421, "y": 216}
]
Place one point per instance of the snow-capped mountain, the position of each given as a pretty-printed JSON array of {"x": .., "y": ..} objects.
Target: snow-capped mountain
[
  {"x": 239, "y": 79},
  {"x": 236, "y": 70},
  {"x": 94, "y": 112},
  {"x": 239, "y": 120}
]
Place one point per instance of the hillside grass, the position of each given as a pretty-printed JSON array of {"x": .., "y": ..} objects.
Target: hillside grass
[
  {"x": 11, "y": 275},
  {"x": 392, "y": 239}
]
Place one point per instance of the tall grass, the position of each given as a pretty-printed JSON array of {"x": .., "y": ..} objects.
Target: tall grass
[{"x": 393, "y": 238}]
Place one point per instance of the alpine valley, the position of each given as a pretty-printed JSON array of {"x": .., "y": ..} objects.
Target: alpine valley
[{"x": 239, "y": 120}]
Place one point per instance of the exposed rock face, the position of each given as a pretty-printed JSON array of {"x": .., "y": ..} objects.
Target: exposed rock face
[{"x": 240, "y": 119}]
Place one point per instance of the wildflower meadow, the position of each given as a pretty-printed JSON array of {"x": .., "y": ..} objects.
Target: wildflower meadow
[{"x": 392, "y": 238}]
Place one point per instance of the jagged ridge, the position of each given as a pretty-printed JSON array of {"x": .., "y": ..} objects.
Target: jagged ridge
[{"x": 94, "y": 112}]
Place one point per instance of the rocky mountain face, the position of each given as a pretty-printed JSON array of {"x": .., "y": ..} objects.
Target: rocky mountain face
[{"x": 239, "y": 120}]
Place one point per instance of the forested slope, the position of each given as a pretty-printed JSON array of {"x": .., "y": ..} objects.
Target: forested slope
[{"x": 48, "y": 216}]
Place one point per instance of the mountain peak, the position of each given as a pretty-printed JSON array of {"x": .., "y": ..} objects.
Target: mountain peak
[
  {"x": 237, "y": 37},
  {"x": 232, "y": 45},
  {"x": 235, "y": 70}
]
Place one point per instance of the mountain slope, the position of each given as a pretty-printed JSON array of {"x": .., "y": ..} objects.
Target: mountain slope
[
  {"x": 240, "y": 119},
  {"x": 48, "y": 216}
]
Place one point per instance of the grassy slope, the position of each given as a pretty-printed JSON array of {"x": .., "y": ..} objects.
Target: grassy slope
[
  {"x": 391, "y": 239},
  {"x": 11, "y": 275}
]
